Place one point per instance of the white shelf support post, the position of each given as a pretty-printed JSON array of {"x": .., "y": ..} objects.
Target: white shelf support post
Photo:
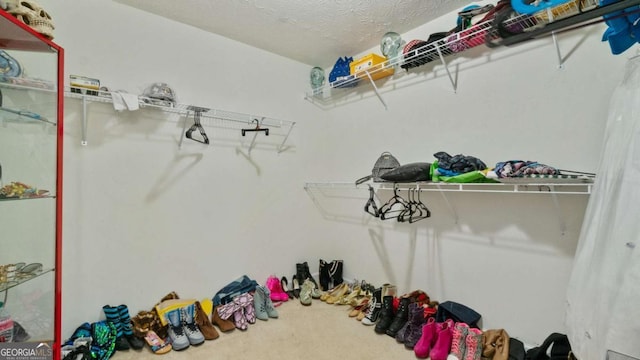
[
  {"x": 281, "y": 146},
  {"x": 556, "y": 203},
  {"x": 446, "y": 67},
  {"x": 84, "y": 121},
  {"x": 184, "y": 129},
  {"x": 555, "y": 40},
  {"x": 449, "y": 205},
  {"x": 375, "y": 88}
]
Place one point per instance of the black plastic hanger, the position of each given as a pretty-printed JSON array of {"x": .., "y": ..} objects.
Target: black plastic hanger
[
  {"x": 371, "y": 207},
  {"x": 395, "y": 205},
  {"x": 197, "y": 126},
  {"x": 257, "y": 128},
  {"x": 422, "y": 210}
]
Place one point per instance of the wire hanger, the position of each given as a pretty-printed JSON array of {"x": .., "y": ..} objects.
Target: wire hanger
[
  {"x": 422, "y": 210},
  {"x": 197, "y": 126},
  {"x": 257, "y": 128}
]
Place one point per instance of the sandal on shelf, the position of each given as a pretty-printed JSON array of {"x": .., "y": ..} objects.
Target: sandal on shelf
[{"x": 157, "y": 345}]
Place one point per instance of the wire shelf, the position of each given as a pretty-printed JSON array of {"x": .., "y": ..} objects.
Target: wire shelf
[{"x": 424, "y": 52}]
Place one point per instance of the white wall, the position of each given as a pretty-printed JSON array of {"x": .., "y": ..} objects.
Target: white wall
[{"x": 143, "y": 218}]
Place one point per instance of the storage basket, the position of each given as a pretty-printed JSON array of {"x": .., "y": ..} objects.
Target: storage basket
[{"x": 375, "y": 64}]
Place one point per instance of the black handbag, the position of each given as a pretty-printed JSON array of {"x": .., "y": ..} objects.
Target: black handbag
[
  {"x": 385, "y": 163},
  {"x": 561, "y": 349}
]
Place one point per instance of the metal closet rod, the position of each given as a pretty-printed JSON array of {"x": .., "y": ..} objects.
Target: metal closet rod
[{"x": 570, "y": 23}]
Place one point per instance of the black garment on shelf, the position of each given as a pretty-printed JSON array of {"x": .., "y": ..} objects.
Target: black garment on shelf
[{"x": 459, "y": 163}]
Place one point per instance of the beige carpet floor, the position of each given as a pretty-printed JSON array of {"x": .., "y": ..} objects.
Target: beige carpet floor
[{"x": 317, "y": 332}]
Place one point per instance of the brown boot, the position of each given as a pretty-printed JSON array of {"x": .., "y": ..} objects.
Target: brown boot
[
  {"x": 207, "y": 329},
  {"x": 224, "y": 325}
]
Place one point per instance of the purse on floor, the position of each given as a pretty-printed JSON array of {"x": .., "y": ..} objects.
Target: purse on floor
[{"x": 385, "y": 163}]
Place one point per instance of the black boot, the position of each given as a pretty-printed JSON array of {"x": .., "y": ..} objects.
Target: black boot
[
  {"x": 386, "y": 315},
  {"x": 325, "y": 278},
  {"x": 306, "y": 274},
  {"x": 335, "y": 272},
  {"x": 402, "y": 315}
]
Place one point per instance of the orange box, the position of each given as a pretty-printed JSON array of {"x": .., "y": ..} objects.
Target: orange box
[{"x": 375, "y": 64}]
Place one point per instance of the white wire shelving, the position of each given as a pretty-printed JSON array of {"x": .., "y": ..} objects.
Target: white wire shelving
[
  {"x": 574, "y": 187},
  {"x": 232, "y": 120},
  {"x": 448, "y": 47}
]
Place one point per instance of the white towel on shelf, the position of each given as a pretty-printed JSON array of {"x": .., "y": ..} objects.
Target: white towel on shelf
[
  {"x": 131, "y": 100},
  {"x": 118, "y": 101}
]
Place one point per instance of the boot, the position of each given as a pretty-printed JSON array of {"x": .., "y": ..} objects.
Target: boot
[
  {"x": 373, "y": 310},
  {"x": 325, "y": 278},
  {"x": 263, "y": 304},
  {"x": 189, "y": 324},
  {"x": 125, "y": 321},
  {"x": 225, "y": 325},
  {"x": 208, "y": 331},
  {"x": 179, "y": 340},
  {"x": 386, "y": 315},
  {"x": 114, "y": 317},
  {"x": 414, "y": 327},
  {"x": 303, "y": 273},
  {"x": 335, "y": 272},
  {"x": 401, "y": 317}
]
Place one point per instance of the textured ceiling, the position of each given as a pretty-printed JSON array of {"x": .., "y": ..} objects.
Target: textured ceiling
[{"x": 314, "y": 32}]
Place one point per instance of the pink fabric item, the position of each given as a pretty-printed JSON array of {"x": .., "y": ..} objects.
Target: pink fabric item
[
  {"x": 275, "y": 289},
  {"x": 442, "y": 347}
]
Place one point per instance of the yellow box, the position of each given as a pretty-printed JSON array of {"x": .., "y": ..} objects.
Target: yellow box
[{"x": 374, "y": 64}]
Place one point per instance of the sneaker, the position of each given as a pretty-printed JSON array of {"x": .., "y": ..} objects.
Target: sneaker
[
  {"x": 190, "y": 327},
  {"x": 458, "y": 343},
  {"x": 179, "y": 340},
  {"x": 473, "y": 343},
  {"x": 374, "y": 308}
]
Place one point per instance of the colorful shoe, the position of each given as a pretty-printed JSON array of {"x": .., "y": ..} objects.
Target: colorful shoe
[
  {"x": 413, "y": 328},
  {"x": 458, "y": 343},
  {"x": 157, "y": 345},
  {"x": 474, "y": 344},
  {"x": 179, "y": 340},
  {"x": 245, "y": 303}
]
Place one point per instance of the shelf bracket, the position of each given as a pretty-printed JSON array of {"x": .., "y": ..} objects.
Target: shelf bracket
[
  {"x": 556, "y": 203},
  {"x": 449, "y": 205},
  {"x": 281, "y": 146},
  {"x": 446, "y": 67},
  {"x": 375, "y": 88},
  {"x": 555, "y": 40},
  {"x": 84, "y": 121}
]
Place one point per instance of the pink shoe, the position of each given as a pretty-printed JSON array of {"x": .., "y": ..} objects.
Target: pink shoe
[
  {"x": 442, "y": 347},
  {"x": 270, "y": 284},
  {"x": 239, "y": 320},
  {"x": 423, "y": 347},
  {"x": 474, "y": 344},
  {"x": 246, "y": 309},
  {"x": 458, "y": 343}
]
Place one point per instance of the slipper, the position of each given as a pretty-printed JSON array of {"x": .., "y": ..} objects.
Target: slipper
[{"x": 158, "y": 346}]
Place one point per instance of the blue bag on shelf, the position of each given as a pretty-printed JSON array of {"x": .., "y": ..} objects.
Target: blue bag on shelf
[{"x": 340, "y": 76}]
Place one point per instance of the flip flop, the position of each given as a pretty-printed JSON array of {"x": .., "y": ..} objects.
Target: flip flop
[{"x": 158, "y": 346}]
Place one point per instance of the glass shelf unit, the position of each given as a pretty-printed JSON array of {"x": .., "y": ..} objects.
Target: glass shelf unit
[{"x": 31, "y": 133}]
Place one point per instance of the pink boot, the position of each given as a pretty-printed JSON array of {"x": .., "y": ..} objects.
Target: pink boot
[
  {"x": 442, "y": 347},
  {"x": 428, "y": 338}
]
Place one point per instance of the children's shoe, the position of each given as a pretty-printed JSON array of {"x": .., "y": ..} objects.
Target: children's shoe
[{"x": 413, "y": 329}]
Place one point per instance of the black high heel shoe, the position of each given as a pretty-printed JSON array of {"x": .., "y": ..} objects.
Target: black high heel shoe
[
  {"x": 296, "y": 286},
  {"x": 285, "y": 286}
]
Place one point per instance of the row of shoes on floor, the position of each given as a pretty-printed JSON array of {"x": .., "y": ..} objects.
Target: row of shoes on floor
[
  {"x": 330, "y": 274},
  {"x": 410, "y": 319}
]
